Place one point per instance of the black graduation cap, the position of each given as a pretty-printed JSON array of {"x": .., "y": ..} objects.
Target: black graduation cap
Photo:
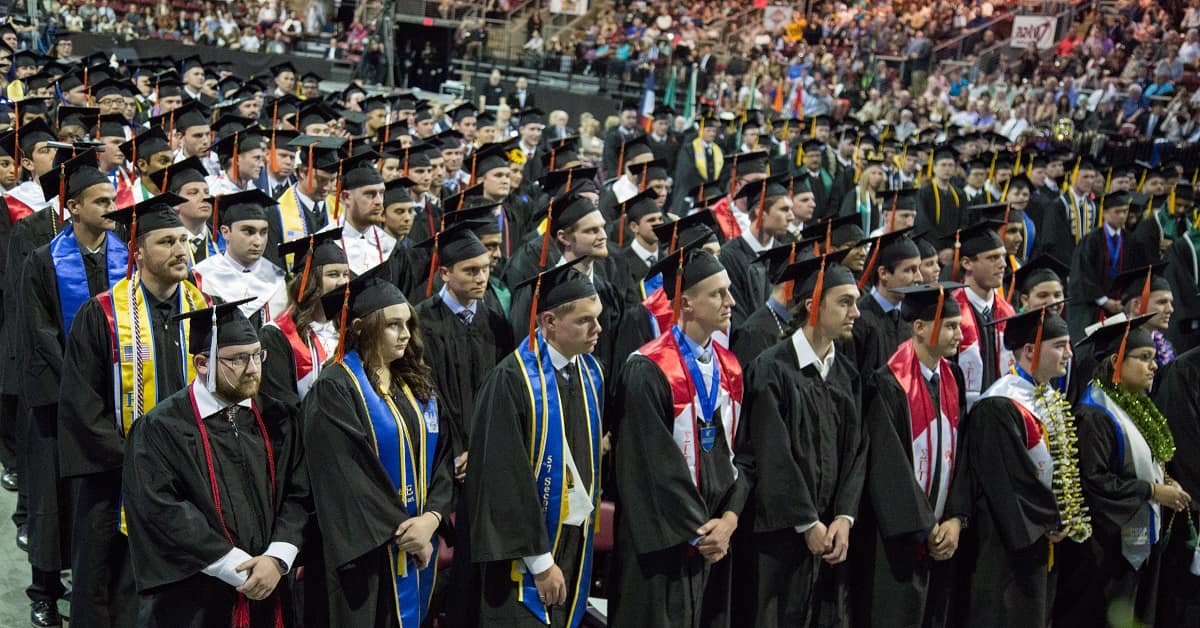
[
  {"x": 1022, "y": 329},
  {"x": 238, "y": 142},
  {"x": 405, "y": 101},
  {"x": 282, "y": 68},
  {"x": 248, "y": 205},
  {"x": 640, "y": 205},
  {"x": 697, "y": 226},
  {"x": 33, "y": 133},
  {"x": 453, "y": 244},
  {"x": 192, "y": 114},
  {"x": 1115, "y": 199},
  {"x": 364, "y": 295},
  {"x": 486, "y": 159},
  {"x": 396, "y": 191},
  {"x": 930, "y": 302},
  {"x": 463, "y": 198},
  {"x": 322, "y": 153},
  {"x": 147, "y": 143},
  {"x": 944, "y": 152},
  {"x": 152, "y": 214},
  {"x": 751, "y": 162},
  {"x": 179, "y": 174},
  {"x": 825, "y": 271},
  {"x": 167, "y": 85},
  {"x": 27, "y": 59},
  {"x": 188, "y": 63},
  {"x": 899, "y": 199},
  {"x": 888, "y": 249},
  {"x": 1140, "y": 282},
  {"x": 777, "y": 258},
  {"x": 321, "y": 248},
  {"x": 316, "y": 113},
  {"x": 485, "y": 119},
  {"x": 655, "y": 170},
  {"x": 687, "y": 266},
  {"x": 70, "y": 81},
  {"x": 977, "y": 238},
  {"x": 999, "y": 212},
  {"x": 372, "y": 103},
  {"x": 558, "y": 286},
  {"x": 1043, "y": 268},
  {"x": 8, "y": 144},
  {"x": 555, "y": 183},
  {"x": 1119, "y": 336},
  {"x": 228, "y": 124},
  {"x": 663, "y": 112},
  {"x": 1019, "y": 180},
  {"x": 631, "y": 149},
  {"x": 481, "y": 218},
  {"x": 111, "y": 86},
  {"x": 836, "y": 231},
  {"x": 85, "y": 117},
  {"x": 921, "y": 237},
  {"x": 72, "y": 176},
  {"x": 114, "y": 125},
  {"x": 448, "y": 139},
  {"x": 415, "y": 156},
  {"x": 463, "y": 111},
  {"x": 232, "y": 328},
  {"x": 533, "y": 115},
  {"x": 757, "y": 191},
  {"x": 310, "y": 77},
  {"x": 569, "y": 209}
]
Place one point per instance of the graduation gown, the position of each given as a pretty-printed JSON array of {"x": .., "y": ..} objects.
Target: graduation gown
[
  {"x": 1096, "y": 261},
  {"x": 1095, "y": 573},
  {"x": 295, "y": 211},
  {"x": 877, "y": 334},
  {"x": 1012, "y": 511},
  {"x": 688, "y": 176},
  {"x": 296, "y": 359},
  {"x": 661, "y": 579},
  {"x": 1176, "y": 395},
  {"x": 461, "y": 356},
  {"x": 352, "y": 491},
  {"x": 804, "y": 436},
  {"x": 943, "y": 224},
  {"x": 42, "y": 340},
  {"x": 27, "y": 235},
  {"x": 896, "y": 582},
  {"x": 759, "y": 332},
  {"x": 1183, "y": 273},
  {"x": 827, "y": 192},
  {"x": 175, "y": 530},
  {"x": 503, "y": 499},
  {"x": 748, "y": 279},
  {"x": 1056, "y": 233},
  {"x": 611, "y": 298}
]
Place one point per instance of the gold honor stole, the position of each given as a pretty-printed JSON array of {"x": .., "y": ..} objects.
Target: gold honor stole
[
  {"x": 702, "y": 164},
  {"x": 133, "y": 352},
  {"x": 291, "y": 216}
]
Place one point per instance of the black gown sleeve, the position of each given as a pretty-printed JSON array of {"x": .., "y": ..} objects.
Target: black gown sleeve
[
  {"x": 1112, "y": 492},
  {"x": 350, "y": 489},
  {"x": 40, "y": 336},
  {"x": 171, "y": 538},
  {"x": 279, "y": 370},
  {"x": 1177, "y": 397},
  {"x": 283, "y": 420},
  {"x": 899, "y": 503},
  {"x": 506, "y": 520},
  {"x": 89, "y": 439}
]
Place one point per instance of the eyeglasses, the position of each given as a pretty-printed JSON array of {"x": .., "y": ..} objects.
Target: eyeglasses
[
  {"x": 1143, "y": 356},
  {"x": 242, "y": 360},
  {"x": 112, "y": 102}
]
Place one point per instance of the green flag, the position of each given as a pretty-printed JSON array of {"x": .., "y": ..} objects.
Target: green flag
[
  {"x": 689, "y": 107},
  {"x": 669, "y": 97}
]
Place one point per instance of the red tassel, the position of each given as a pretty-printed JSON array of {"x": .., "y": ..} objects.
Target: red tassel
[
  {"x": 537, "y": 292},
  {"x": 307, "y": 266},
  {"x": 241, "y": 612},
  {"x": 678, "y": 289},
  {"x": 1146, "y": 292},
  {"x": 216, "y": 221},
  {"x": 762, "y": 209},
  {"x": 621, "y": 227},
  {"x": 1037, "y": 342},
  {"x": 433, "y": 265},
  {"x": 937, "y": 318},
  {"x": 236, "y": 174},
  {"x": 310, "y": 169},
  {"x": 132, "y": 246}
]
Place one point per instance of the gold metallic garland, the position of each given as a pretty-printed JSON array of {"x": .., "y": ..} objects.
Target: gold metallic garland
[{"x": 1062, "y": 442}]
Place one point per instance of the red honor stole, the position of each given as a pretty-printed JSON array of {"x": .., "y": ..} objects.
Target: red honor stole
[
  {"x": 124, "y": 190},
  {"x": 302, "y": 349},
  {"x": 906, "y": 368},
  {"x": 971, "y": 329},
  {"x": 724, "y": 213},
  {"x": 658, "y": 306},
  {"x": 16, "y": 209},
  {"x": 665, "y": 354}
]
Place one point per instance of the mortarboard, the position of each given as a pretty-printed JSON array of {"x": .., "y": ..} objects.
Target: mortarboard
[{"x": 231, "y": 328}]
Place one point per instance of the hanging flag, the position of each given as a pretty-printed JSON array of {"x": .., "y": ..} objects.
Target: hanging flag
[
  {"x": 777, "y": 106},
  {"x": 648, "y": 99},
  {"x": 689, "y": 106},
  {"x": 669, "y": 97}
]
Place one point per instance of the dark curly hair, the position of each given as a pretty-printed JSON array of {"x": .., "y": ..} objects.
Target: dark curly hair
[{"x": 411, "y": 369}]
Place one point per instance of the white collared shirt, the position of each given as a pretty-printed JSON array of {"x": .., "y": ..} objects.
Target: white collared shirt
[
  {"x": 978, "y": 302},
  {"x": 225, "y": 567},
  {"x": 753, "y": 242},
  {"x": 642, "y": 252}
]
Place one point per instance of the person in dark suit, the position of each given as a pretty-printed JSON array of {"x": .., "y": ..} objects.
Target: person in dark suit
[
  {"x": 663, "y": 143},
  {"x": 521, "y": 98},
  {"x": 626, "y": 130},
  {"x": 699, "y": 161},
  {"x": 706, "y": 66}
]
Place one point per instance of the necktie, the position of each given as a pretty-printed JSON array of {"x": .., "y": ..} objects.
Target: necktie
[
  {"x": 277, "y": 191},
  {"x": 894, "y": 315},
  {"x": 986, "y": 314},
  {"x": 710, "y": 163},
  {"x": 932, "y": 384},
  {"x": 197, "y": 244},
  {"x": 651, "y": 260},
  {"x": 466, "y": 316}
]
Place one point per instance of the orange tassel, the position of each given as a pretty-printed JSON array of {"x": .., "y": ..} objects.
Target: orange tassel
[
  {"x": 678, "y": 288},
  {"x": 870, "y": 267},
  {"x": 621, "y": 161},
  {"x": 621, "y": 227},
  {"x": 762, "y": 209},
  {"x": 433, "y": 265},
  {"x": 216, "y": 220},
  {"x": 62, "y": 192},
  {"x": 341, "y": 350},
  {"x": 132, "y": 246},
  {"x": 337, "y": 198},
  {"x": 1146, "y": 292},
  {"x": 957, "y": 249},
  {"x": 307, "y": 267},
  {"x": 937, "y": 318},
  {"x": 1037, "y": 341},
  {"x": 537, "y": 292},
  {"x": 235, "y": 174},
  {"x": 814, "y": 311},
  {"x": 1116, "y": 378}
]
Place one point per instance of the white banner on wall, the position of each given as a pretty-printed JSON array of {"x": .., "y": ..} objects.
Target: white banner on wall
[
  {"x": 571, "y": 7},
  {"x": 1033, "y": 29}
]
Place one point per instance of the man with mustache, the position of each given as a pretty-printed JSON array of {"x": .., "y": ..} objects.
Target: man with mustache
[
  {"x": 212, "y": 539},
  {"x": 123, "y": 355},
  {"x": 242, "y": 271}
]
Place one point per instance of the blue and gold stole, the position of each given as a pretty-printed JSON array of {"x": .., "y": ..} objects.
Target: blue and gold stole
[
  {"x": 71, "y": 276},
  {"x": 547, "y": 446},
  {"x": 649, "y": 284},
  {"x": 408, "y": 460}
]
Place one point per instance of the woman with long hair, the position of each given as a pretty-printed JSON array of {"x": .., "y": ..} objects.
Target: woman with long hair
[
  {"x": 380, "y": 475},
  {"x": 1124, "y": 443}
]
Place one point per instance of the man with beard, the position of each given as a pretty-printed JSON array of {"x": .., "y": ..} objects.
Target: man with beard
[
  {"x": 242, "y": 271},
  {"x": 123, "y": 355},
  {"x": 211, "y": 539},
  {"x": 802, "y": 427},
  {"x": 361, "y": 205}
]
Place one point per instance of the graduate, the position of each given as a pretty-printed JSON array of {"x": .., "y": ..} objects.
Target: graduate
[
  {"x": 894, "y": 264},
  {"x": 1018, "y": 447},
  {"x": 34, "y": 140},
  {"x": 634, "y": 152},
  {"x": 1181, "y": 273},
  {"x": 464, "y": 337},
  {"x": 186, "y": 179},
  {"x": 301, "y": 339},
  {"x": 243, "y": 271},
  {"x": 373, "y": 415},
  {"x": 1145, "y": 291},
  {"x": 940, "y": 204},
  {"x": 149, "y": 152},
  {"x": 1038, "y": 282},
  {"x": 931, "y": 265},
  {"x": 537, "y": 559},
  {"x": 1124, "y": 443},
  {"x": 700, "y": 161},
  {"x": 123, "y": 355},
  {"x": 360, "y": 205},
  {"x": 481, "y": 219},
  {"x": 240, "y": 155},
  {"x": 306, "y": 206},
  {"x": 981, "y": 355},
  {"x": 681, "y": 493},
  {"x": 1178, "y": 398},
  {"x": 916, "y": 502},
  {"x": 770, "y": 207},
  {"x": 214, "y": 488},
  {"x": 1098, "y": 258},
  {"x": 640, "y": 249},
  {"x": 802, "y": 426},
  {"x": 1066, "y": 220},
  {"x": 83, "y": 260},
  {"x": 772, "y": 321}
]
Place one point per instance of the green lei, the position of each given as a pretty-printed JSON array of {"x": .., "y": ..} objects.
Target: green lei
[{"x": 1146, "y": 416}]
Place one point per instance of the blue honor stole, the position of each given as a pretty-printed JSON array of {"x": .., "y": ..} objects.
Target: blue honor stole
[
  {"x": 71, "y": 276},
  {"x": 408, "y": 460},
  {"x": 547, "y": 445},
  {"x": 650, "y": 284}
]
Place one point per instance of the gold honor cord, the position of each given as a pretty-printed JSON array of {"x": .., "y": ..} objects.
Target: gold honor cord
[{"x": 1063, "y": 444}]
